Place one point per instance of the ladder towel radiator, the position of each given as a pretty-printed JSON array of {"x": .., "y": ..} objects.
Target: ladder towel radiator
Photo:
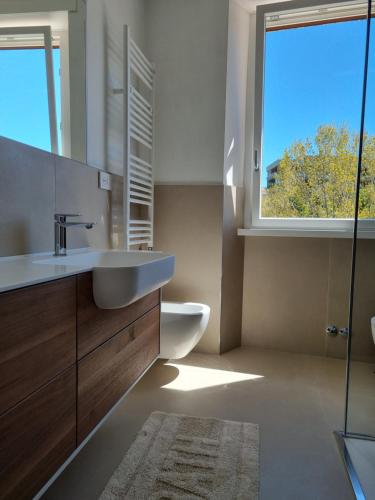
[{"x": 139, "y": 98}]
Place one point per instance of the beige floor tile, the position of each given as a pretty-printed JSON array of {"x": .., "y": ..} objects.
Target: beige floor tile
[{"x": 297, "y": 400}]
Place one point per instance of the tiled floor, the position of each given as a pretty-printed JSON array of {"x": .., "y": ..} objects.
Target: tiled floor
[
  {"x": 361, "y": 408},
  {"x": 298, "y": 401}
]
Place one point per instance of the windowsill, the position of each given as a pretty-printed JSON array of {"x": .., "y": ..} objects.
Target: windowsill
[{"x": 305, "y": 233}]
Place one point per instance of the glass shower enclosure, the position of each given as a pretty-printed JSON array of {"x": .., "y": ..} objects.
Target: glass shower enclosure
[{"x": 357, "y": 441}]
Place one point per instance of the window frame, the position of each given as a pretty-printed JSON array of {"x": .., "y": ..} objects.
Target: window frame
[{"x": 254, "y": 180}]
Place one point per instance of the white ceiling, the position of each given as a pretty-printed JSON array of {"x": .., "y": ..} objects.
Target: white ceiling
[
  {"x": 251, "y": 5},
  {"x": 57, "y": 20}
]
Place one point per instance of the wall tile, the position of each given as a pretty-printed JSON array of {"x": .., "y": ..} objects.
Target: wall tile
[
  {"x": 232, "y": 269},
  {"x": 295, "y": 287},
  {"x": 285, "y": 294},
  {"x": 77, "y": 192},
  {"x": 35, "y": 184},
  {"x": 27, "y": 199},
  {"x": 363, "y": 347},
  {"x": 338, "y": 293},
  {"x": 188, "y": 224}
]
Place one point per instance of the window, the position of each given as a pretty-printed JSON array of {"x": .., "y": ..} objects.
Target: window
[
  {"x": 27, "y": 88},
  {"x": 35, "y": 101},
  {"x": 308, "y": 96}
]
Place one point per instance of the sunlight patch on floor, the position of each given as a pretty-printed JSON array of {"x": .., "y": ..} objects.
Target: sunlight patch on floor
[{"x": 191, "y": 378}]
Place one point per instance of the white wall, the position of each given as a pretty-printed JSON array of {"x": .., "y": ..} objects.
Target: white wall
[
  {"x": 104, "y": 60},
  {"x": 237, "y": 70},
  {"x": 187, "y": 39},
  {"x": 200, "y": 50}
]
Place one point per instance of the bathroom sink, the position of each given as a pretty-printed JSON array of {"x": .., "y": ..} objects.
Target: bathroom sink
[{"x": 120, "y": 277}]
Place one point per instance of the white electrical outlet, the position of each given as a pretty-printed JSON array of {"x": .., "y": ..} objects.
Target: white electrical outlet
[{"x": 105, "y": 181}]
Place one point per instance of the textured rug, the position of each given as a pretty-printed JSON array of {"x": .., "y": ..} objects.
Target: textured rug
[{"x": 181, "y": 457}]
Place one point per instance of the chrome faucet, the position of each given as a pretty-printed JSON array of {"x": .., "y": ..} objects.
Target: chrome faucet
[{"x": 60, "y": 231}]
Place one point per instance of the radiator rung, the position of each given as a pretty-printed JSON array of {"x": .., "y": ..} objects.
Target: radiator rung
[
  {"x": 137, "y": 201},
  {"x": 140, "y": 222},
  {"x": 140, "y": 139},
  {"x": 141, "y": 56}
]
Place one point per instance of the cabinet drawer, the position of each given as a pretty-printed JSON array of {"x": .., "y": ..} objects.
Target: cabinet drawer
[
  {"x": 94, "y": 325},
  {"x": 37, "y": 337},
  {"x": 37, "y": 436},
  {"x": 105, "y": 374}
]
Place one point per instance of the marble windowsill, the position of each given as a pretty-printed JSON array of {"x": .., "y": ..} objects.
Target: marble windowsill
[{"x": 305, "y": 233}]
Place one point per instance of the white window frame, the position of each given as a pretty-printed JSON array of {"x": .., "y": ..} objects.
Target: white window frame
[
  {"x": 47, "y": 35},
  {"x": 288, "y": 226},
  {"x": 63, "y": 38}
]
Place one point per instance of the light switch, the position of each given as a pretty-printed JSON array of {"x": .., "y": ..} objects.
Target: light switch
[{"x": 105, "y": 181}]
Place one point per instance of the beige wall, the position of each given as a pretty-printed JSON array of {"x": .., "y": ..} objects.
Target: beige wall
[
  {"x": 188, "y": 224},
  {"x": 295, "y": 287},
  {"x": 198, "y": 225},
  {"x": 232, "y": 269},
  {"x": 34, "y": 185},
  {"x": 364, "y": 301},
  {"x": 197, "y": 47},
  {"x": 234, "y": 162}
]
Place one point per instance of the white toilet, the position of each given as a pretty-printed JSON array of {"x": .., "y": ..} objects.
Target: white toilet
[{"x": 181, "y": 327}]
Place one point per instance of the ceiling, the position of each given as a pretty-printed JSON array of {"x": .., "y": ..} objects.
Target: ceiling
[
  {"x": 251, "y": 5},
  {"x": 57, "y": 20}
]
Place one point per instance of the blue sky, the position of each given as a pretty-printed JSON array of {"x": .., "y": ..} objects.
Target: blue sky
[
  {"x": 23, "y": 96},
  {"x": 314, "y": 76}
]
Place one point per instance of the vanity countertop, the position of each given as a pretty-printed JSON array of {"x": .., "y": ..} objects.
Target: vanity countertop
[
  {"x": 24, "y": 270},
  {"x": 120, "y": 276}
]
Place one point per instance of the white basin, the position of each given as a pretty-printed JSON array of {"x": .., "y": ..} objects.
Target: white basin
[{"x": 120, "y": 277}]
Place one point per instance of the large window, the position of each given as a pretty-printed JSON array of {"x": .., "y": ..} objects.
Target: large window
[{"x": 309, "y": 82}]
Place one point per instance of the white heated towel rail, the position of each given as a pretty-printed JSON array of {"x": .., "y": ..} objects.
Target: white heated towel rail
[{"x": 139, "y": 95}]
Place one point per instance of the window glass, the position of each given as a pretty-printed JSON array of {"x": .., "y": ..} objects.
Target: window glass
[
  {"x": 312, "y": 94},
  {"x": 24, "y": 114}
]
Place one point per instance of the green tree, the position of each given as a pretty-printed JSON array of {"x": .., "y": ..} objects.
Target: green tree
[{"x": 317, "y": 178}]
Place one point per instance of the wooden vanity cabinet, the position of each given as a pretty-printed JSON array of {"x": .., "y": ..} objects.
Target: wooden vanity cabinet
[
  {"x": 64, "y": 364},
  {"x": 94, "y": 325},
  {"x": 108, "y": 372},
  {"x": 37, "y": 436},
  {"x": 37, "y": 337}
]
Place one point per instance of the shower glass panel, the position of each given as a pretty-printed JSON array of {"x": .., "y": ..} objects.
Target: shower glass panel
[
  {"x": 360, "y": 418},
  {"x": 358, "y": 439}
]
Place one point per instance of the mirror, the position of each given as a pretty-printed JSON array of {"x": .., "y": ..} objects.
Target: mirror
[{"x": 43, "y": 75}]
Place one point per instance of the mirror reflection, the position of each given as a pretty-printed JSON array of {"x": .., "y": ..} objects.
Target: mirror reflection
[{"x": 42, "y": 87}]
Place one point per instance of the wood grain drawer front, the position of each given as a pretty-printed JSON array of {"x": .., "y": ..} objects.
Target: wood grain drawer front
[
  {"x": 95, "y": 326},
  {"x": 37, "y": 436},
  {"x": 105, "y": 374},
  {"x": 37, "y": 337}
]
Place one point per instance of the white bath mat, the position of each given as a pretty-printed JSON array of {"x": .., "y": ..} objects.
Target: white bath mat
[{"x": 181, "y": 457}]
